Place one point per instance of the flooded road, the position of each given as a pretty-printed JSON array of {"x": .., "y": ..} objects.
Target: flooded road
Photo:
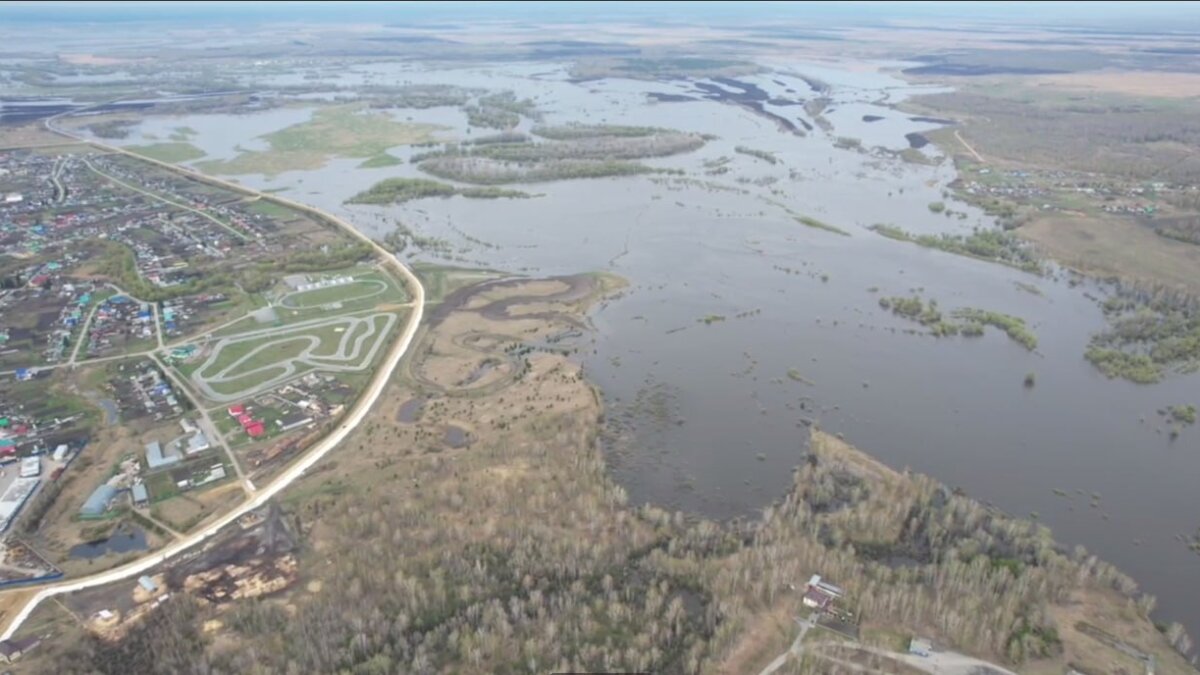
[{"x": 711, "y": 416}]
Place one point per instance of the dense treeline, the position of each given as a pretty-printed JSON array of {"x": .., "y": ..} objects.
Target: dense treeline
[
  {"x": 484, "y": 171},
  {"x": 987, "y": 244},
  {"x": 398, "y": 190},
  {"x": 502, "y": 110},
  {"x": 171, "y": 644}
]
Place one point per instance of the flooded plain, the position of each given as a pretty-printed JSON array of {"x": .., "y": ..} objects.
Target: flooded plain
[{"x": 742, "y": 326}]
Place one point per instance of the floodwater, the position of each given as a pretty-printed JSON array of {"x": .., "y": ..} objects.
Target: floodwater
[
  {"x": 123, "y": 540},
  {"x": 706, "y": 417},
  {"x": 455, "y": 437}
]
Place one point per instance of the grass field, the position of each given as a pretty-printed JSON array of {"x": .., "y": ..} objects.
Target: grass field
[
  {"x": 394, "y": 295},
  {"x": 379, "y": 161},
  {"x": 272, "y": 350},
  {"x": 439, "y": 281},
  {"x": 271, "y": 209},
  {"x": 174, "y": 152},
  {"x": 359, "y": 289},
  {"x": 254, "y": 380},
  {"x": 353, "y": 296},
  {"x": 336, "y": 131},
  {"x": 1108, "y": 246},
  {"x": 240, "y": 366}
]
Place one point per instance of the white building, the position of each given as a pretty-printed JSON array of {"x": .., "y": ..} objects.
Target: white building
[{"x": 31, "y": 467}]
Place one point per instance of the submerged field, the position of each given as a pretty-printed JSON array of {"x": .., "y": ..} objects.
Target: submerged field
[{"x": 339, "y": 131}]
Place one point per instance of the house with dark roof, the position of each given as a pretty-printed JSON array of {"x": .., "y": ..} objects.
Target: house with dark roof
[{"x": 11, "y": 650}]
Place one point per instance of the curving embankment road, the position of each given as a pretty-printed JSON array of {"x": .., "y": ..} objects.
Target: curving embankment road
[{"x": 316, "y": 453}]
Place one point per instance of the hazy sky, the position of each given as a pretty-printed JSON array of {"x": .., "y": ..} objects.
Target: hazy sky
[{"x": 1167, "y": 15}]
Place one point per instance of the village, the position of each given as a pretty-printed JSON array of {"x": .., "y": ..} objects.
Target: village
[
  {"x": 1059, "y": 190},
  {"x": 117, "y": 280}
]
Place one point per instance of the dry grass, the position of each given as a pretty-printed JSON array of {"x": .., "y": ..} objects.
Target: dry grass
[
  {"x": 11, "y": 602},
  {"x": 1134, "y": 83},
  {"x": 29, "y": 135},
  {"x": 186, "y": 511},
  {"x": 764, "y": 637},
  {"x": 523, "y": 290},
  {"x": 1111, "y": 246},
  {"x": 1111, "y": 613}
]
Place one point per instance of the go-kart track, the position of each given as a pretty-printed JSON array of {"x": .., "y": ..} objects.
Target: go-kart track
[{"x": 276, "y": 355}]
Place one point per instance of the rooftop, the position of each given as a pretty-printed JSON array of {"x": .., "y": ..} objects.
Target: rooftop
[
  {"x": 97, "y": 503},
  {"x": 157, "y": 458}
]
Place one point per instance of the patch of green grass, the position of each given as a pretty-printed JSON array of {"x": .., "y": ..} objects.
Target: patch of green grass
[
  {"x": 439, "y": 280},
  {"x": 765, "y": 156},
  {"x": 809, "y": 221},
  {"x": 275, "y": 349},
  {"x": 354, "y": 290},
  {"x": 379, "y": 161},
  {"x": 248, "y": 382},
  {"x": 336, "y": 131},
  {"x": 271, "y": 209},
  {"x": 173, "y": 152},
  {"x": 1012, "y": 326}
]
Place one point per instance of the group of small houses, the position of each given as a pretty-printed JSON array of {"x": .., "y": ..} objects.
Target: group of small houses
[
  {"x": 157, "y": 457},
  {"x": 119, "y": 320},
  {"x": 45, "y": 288},
  {"x": 823, "y": 597}
]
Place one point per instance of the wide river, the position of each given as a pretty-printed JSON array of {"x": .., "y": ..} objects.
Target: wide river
[{"x": 705, "y": 416}]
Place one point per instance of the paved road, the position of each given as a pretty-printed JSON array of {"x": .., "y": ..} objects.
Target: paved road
[
  {"x": 967, "y": 145},
  {"x": 83, "y": 335},
  {"x": 315, "y": 454},
  {"x": 207, "y": 424},
  {"x": 943, "y": 663},
  {"x": 795, "y": 650},
  {"x": 158, "y": 197},
  {"x": 60, "y": 193},
  {"x": 937, "y": 663}
]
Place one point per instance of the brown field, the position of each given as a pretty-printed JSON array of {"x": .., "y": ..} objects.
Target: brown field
[
  {"x": 1134, "y": 83},
  {"x": 1111, "y": 246},
  {"x": 764, "y": 637},
  {"x": 29, "y": 135},
  {"x": 188, "y": 510}
]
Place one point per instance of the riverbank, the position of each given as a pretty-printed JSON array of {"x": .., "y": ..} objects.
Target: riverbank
[{"x": 523, "y": 519}]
